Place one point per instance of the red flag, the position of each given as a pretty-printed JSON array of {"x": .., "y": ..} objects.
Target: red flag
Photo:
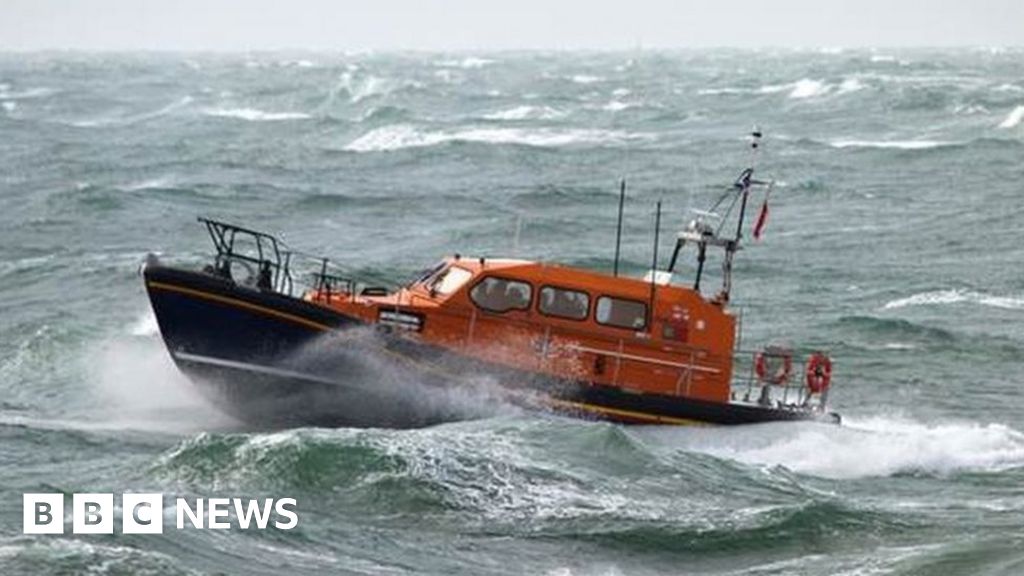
[{"x": 762, "y": 218}]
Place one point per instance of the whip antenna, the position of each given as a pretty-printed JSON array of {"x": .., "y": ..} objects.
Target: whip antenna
[{"x": 618, "y": 226}]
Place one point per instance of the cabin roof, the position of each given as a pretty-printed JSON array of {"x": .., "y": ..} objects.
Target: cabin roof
[{"x": 540, "y": 273}]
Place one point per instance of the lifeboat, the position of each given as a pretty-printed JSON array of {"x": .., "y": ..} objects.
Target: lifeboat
[{"x": 272, "y": 351}]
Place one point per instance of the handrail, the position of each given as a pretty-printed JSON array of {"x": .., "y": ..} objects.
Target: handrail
[{"x": 745, "y": 380}]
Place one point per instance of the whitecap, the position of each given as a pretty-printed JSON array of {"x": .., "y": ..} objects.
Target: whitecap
[
  {"x": 970, "y": 109},
  {"x": 957, "y": 296},
  {"x": 254, "y": 115},
  {"x": 1008, "y": 88},
  {"x": 870, "y": 447},
  {"x": 370, "y": 86},
  {"x": 877, "y": 58},
  {"x": 397, "y": 137},
  {"x": 1014, "y": 118},
  {"x": 807, "y": 88},
  {"x": 526, "y": 113},
  {"x": 126, "y": 120},
  {"x": 850, "y": 85},
  {"x": 26, "y": 94},
  {"x": 465, "y": 63},
  {"x": 775, "y": 88},
  {"x": 151, "y": 184},
  {"x": 722, "y": 91},
  {"x": 9, "y": 107},
  {"x": 586, "y": 79},
  {"x": 891, "y": 144},
  {"x": 617, "y": 106}
]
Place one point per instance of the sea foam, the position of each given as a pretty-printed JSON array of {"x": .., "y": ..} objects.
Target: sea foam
[
  {"x": 526, "y": 113},
  {"x": 870, "y": 447},
  {"x": 891, "y": 144},
  {"x": 956, "y": 296},
  {"x": 807, "y": 88},
  {"x": 254, "y": 115},
  {"x": 1014, "y": 118},
  {"x": 397, "y": 137}
]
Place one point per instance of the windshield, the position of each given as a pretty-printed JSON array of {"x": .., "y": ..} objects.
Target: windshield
[{"x": 450, "y": 280}]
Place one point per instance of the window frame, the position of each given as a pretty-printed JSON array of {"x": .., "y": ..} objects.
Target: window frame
[
  {"x": 597, "y": 303},
  {"x": 586, "y": 315},
  {"x": 529, "y": 299}
]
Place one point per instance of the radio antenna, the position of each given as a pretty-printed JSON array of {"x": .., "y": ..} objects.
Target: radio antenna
[
  {"x": 618, "y": 226},
  {"x": 654, "y": 265}
]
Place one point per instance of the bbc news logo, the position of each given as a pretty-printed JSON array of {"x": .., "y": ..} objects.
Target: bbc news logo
[{"x": 144, "y": 513}]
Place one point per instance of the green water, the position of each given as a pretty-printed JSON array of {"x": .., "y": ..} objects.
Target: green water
[{"x": 893, "y": 241}]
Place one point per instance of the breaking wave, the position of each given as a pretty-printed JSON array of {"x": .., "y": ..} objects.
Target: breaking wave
[
  {"x": 133, "y": 119},
  {"x": 526, "y": 113},
  {"x": 956, "y": 296},
  {"x": 1014, "y": 118},
  {"x": 872, "y": 447},
  {"x": 397, "y": 137},
  {"x": 804, "y": 88},
  {"x": 807, "y": 88},
  {"x": 465, "y": 63},
  {"x": 892, "y": 144},
  {"x": 254, "y": 115}
]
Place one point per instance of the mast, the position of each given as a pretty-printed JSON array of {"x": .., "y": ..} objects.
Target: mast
[{"x": 703, "y": 234}]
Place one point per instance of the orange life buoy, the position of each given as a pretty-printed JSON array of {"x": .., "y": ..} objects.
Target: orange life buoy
[
  {"x": 819, "y": 373},
  {"x": 781, "y": 373}
]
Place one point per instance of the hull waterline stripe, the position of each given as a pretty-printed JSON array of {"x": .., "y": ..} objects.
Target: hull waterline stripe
[
  {"x": 626, "y": 413},
  {"x": 239, "y": 303}
]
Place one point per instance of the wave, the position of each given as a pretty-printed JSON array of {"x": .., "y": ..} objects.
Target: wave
[
  {"x": 1007, "y": 87},
  {"x": 618, "y": 106},
  {"x": 400, "y": 136},
  {"x": 29, "y": 94},
  {"x": 133, "y": 119},
  {"x": 804, "y": 88},
  {"x": 893, "y": 144},
  {"x": 807, "y": 88},
  {"x": 903, "y": 330},
  {"x": 465, "y": 63},
  {"x": 9, "y": 107},
  {"x": 43, "y": 556},
  {"x": 871, "y": 447},
  {"x": 254, "y": 115},
  {"x": 1014, "y": 118},
  {"x": 956, "y": 296},
  {"x": 366, "y": 87},
  {"x": 526, "y": 113}
]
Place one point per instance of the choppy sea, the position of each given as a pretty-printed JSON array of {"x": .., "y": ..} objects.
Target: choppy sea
[{"x": 894, "y": 240}]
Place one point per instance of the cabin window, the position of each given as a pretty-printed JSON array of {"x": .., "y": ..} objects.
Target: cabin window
[
  {"x": 501, "y": 295},
  {"x": 450, "y": 280},
  {"x": 564, "y": 303},
  {"x": 621, "y": 313}
]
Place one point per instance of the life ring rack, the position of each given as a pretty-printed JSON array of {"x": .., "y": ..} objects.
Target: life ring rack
[
  {"x": 780, "y": 375},
  {"x": 818, "y": 373}
]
